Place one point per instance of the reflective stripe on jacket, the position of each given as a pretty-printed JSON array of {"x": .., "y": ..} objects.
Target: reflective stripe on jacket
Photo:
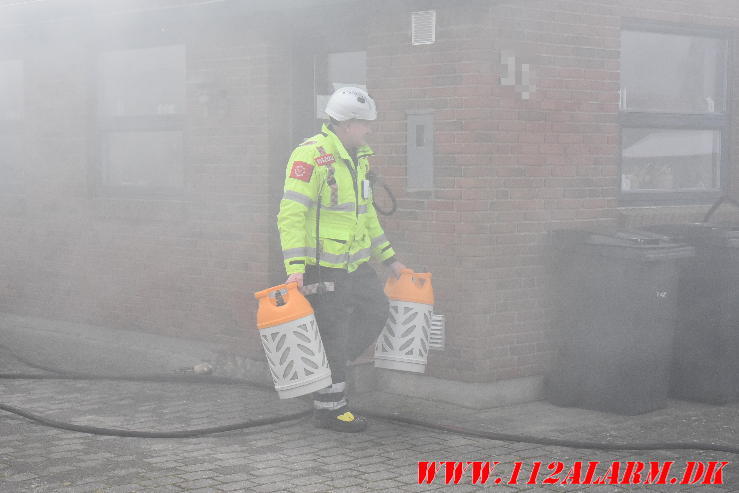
[{"x": 350, "y": 232}]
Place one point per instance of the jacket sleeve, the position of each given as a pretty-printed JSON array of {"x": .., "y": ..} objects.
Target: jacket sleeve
[{"x": 299, "y": 196}]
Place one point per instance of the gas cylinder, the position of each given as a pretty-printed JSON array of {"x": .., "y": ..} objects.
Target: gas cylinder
[
  {"x": 403, "y": 343},
  {"x": 292, "y": 342}
]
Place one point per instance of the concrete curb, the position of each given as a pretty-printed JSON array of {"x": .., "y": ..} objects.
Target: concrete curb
[
  {"x": 75, "y": 347},
  {"x": 82, "y": 348},
  {"x": 467, "y": 394}
]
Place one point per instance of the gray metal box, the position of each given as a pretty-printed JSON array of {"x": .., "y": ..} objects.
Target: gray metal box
[{"x": 420, "y": 148}]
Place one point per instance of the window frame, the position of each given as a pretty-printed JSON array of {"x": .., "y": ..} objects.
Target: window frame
[
  {"x": 321, "y": 67},
  {"x": 309, "y": 51},
  {"x": 152, "y": 31},
  {"x": 722, "y": 122}
]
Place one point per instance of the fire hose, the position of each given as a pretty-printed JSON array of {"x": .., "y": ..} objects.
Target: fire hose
[
  {"x": 199, "y": 379},
  {"x": 491, "y": 435}
]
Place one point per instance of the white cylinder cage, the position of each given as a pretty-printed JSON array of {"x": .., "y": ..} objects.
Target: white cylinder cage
[
  {"x": 403, "y": 343},
  {"x": 297, "y": 361}
]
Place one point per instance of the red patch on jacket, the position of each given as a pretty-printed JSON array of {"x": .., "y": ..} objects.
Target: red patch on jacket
[
  {"x": 325, "y": 159},
  {"x": 301, "y": 171}
]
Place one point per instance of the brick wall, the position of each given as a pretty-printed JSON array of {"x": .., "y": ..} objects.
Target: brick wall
[
  {"x": 508, "y": 170},
  {"x": 185, "y": 265}
]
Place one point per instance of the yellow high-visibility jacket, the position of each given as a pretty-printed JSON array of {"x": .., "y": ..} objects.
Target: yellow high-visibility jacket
[{"x": 350, "y": 233}]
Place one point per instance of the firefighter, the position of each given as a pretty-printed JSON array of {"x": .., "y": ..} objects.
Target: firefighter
[{"x": 326, "y": 213}]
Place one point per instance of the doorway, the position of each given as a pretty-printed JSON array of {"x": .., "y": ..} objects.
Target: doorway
[{"x": 320, "y": 63}]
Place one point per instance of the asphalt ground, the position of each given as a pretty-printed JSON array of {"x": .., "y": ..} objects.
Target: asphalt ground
[{"x": 294, "y": 456}]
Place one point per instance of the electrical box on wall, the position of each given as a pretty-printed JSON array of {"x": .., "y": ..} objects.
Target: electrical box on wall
[{"x": 420, "y": 150}]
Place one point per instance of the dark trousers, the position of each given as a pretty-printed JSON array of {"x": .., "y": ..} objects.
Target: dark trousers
[{"x": 351, "y": 317}]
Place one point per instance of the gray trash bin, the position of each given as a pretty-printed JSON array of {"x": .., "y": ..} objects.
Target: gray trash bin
[
  {"x": 615, "y": 305},
  {"x": 705, "y": 364}
]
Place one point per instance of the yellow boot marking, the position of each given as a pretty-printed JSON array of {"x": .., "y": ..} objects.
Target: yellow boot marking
[{"x": 347, "y": 416}]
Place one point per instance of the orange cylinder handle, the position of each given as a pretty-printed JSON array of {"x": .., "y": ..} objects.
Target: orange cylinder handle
[
  {"x": 410, "y": 286},
  {"x": 270, "y": 313}
]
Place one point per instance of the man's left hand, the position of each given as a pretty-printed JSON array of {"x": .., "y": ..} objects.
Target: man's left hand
[{"x": 397, "y": 268}]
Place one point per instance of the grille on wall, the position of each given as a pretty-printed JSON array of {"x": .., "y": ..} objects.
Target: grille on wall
[{"x": 423, "y": 27}]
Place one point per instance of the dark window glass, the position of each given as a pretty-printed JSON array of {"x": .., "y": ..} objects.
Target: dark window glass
[
  {"x": 674, "y": 121},
  {"x": 668, "y": 160},
  {"x": 672, "y": 73},
  {"x": 141, "y": 106},
  {"x": 335, "y": 70}
]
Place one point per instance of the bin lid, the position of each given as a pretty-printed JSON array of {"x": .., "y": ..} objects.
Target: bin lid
[
  {"x": 700, "y": 234},
  {"x": 622, "y": 243}
]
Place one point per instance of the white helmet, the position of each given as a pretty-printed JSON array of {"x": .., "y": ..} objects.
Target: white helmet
[{"x": 347, "y": 103}]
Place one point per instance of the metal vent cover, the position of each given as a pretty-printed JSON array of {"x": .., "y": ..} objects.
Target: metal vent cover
[{"x": 423, "y": 27}]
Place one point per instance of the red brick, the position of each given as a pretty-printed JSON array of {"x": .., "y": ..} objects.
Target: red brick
[{"x": 546, "y": 162}]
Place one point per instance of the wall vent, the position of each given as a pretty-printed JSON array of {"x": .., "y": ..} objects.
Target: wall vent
[{"x": 423, "y": 27}]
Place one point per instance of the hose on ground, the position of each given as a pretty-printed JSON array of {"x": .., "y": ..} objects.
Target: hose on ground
[
  {"x": 491, "y": 435},
  {"x": 94, "y": 430}
]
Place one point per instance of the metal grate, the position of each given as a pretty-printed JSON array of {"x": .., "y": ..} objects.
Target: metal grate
[
  {"x": 437, "y": 332},
  {"x": 423, "y": 27}
]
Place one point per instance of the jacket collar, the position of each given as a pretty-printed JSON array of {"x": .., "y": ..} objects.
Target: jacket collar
[{"x": 364, "y": 150}]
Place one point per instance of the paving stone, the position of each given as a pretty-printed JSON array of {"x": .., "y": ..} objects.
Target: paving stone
[
  {"x": 316, "y": 488},
  {"x": 198, "y": 483},
  {"x": 300, "y": 458},
  {"x": 20, "y": 477},
  {"x": 167, "y": 489},
  {"x": 308, "y": 479},
  {"x": 379, "y": 475},
  {"x": 126, "y": 488},
  {"x": 161, "y": 481},
  {"x": 341, "y": 482},
  {"x": 269, "y": 488},
  {"x": 229, "y": 478},
  {"x": 237, "y": 486}
]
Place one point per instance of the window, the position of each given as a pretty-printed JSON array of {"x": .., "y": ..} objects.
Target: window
[
  {"x": 11, "y": 125},
  {"x": 141, "y": 107},
  {"x": 674, "y": 118},
  {"x": 335, "y": 70}
]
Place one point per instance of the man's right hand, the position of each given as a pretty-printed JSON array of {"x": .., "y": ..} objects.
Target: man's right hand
[{"x": 297, "y": 277}]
